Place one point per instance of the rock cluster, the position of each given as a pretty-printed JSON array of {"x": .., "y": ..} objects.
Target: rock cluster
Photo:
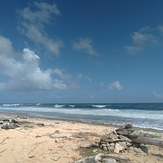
[
  {"x": 9, "y": 124},
  {"x": 120, "y": 140},
  {"x": 105, "y": 158},
  {"x": 115, "y": 143}
]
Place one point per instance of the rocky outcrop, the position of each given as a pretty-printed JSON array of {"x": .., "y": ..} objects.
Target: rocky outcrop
[
  {"x": 9, "y": 124},
  {"x": 105, "y": 158}
]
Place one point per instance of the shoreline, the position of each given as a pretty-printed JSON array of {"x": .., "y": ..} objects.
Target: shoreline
[
  {"x": 42, "y": 140},
  {"x": 15, "y": 115}
]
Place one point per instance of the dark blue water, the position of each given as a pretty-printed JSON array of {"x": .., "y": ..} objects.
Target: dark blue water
[{"x": 148, "y": 115}]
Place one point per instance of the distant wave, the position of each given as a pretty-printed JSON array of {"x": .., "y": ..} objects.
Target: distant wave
[
  {"x": 99, "y": 106},
  {"x": 11, "y": 105},
  {"x": 38, "y": 104},
  {"x": 72, "y": 105},
  {"x": 58, "y": 106}
]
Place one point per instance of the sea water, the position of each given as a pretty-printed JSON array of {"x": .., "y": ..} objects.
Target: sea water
[{"x": 146, "y": 115}]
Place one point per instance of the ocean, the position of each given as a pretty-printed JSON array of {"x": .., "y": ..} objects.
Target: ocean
[{"x": 146, "y": 115}]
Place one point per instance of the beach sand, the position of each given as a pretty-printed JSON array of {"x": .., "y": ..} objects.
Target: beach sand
[{"x": 40, "y": 140}]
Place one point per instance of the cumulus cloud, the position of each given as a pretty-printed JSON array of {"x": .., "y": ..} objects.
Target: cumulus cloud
[
  {"x": 25, "y": 74},
  {"x": 85, "y": 45},
  {"x": 33, "y": 23},
  {"x": 115, "y": 86},
  {"x": 141, "y": 39},
  {"x": 157, "y": 95}
]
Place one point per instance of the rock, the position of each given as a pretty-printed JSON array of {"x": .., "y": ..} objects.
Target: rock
[
  {"x": 55, "y": 158},
  {"x": 109, "y": 160},
  {"x": 111, "y": 149},
  {"x": 124, "y": 138},
  {"x": 123, "y": 144},
  {"x": 112, "y": 144},
  {"x": 88, "y": 160},
  {"x": 145, "y": 148},
  {"x": 124, "y": 132},
  {"x": 128, "y": 126},
  {"x": 40, "y": 124},
  {"x": 105, "y": 148},
  {"x": 98, "y": 157},
  {"x": 111, "y": 137},
  {"x": 137, "y": 150},
  {"x": 118, "y": 148},
  {"x": 57, "y": 132},
  {"x": 136, "y": 134},
  {"x": 7, "y": 125},
  {"x": 131, "y": 148},
  {"x": 117, "y": 157}
]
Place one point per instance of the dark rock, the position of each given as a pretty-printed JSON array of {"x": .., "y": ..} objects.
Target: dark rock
[
  {"x": 145, "y": 148},
  {"x": 128, "y": 126},
  {"x": 57, "y": 132},
  {"x": 117, "y": 157},
  {"x": 40, "y": 124}
]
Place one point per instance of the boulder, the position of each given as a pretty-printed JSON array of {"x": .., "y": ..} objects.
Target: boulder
[{"x": 118, "y": 148}]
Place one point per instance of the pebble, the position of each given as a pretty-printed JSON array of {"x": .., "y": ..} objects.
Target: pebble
[{"x": 55, "y": 158}]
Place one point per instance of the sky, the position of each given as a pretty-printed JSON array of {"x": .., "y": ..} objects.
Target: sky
[{"x": 81, "y": 51}]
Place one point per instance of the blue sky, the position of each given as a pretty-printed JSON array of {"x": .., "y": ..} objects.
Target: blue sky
[{"x": 81, "y": 51}]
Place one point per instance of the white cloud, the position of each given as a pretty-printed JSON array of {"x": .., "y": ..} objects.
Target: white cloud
[
  {"x": 133, "y": 49},
  {"x": 33, "y": 22},
  {"x": 157, "y": 95},
  {"x": 160, "y": 28},
  {"x": 115, "y": 86},
  {"x": 6, "y": 46},
  {"x": 60, "y": 85},
  {"x": 141, "y": 39},
  {"x": 85, "y": 45},
  {"x": 25, "y": 74}
]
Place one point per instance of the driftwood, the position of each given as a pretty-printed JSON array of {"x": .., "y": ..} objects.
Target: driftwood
[
  {"x": 150, "y": 141},
  {"x": 140, "y": 136}
]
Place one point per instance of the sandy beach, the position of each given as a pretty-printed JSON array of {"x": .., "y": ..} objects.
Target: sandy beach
[{"x": 39, "y": 140}]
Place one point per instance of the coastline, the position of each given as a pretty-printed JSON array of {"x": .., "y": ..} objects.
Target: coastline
[{"x": 45, "y": 139}]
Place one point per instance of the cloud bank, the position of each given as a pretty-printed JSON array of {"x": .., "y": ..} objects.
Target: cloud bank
[{"x": 25, "y": 74}]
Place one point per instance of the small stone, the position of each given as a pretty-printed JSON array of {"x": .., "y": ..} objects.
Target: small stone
[
  {"x": 144, "y": 148},
  {"x": 98, "y": 157},
  {"x": 111, "y": 149},
  {"x": 137, "y": 150},
  {"x": 118, "y": 148},
  {"x": 31, "y": 156},
  {"x": 112, "y": 144},
  {"x": 128, "y": 126},
  {"x": 105, "y": 148},
  {"x": 57, "y": 132},
  {"x": 40, "y": 124},
  {"x": 55, "y": 158},
  {"x": 109, "y": 160},
  {"x": 131, "y": 148},
  {"x": 38, "y": 136}
]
